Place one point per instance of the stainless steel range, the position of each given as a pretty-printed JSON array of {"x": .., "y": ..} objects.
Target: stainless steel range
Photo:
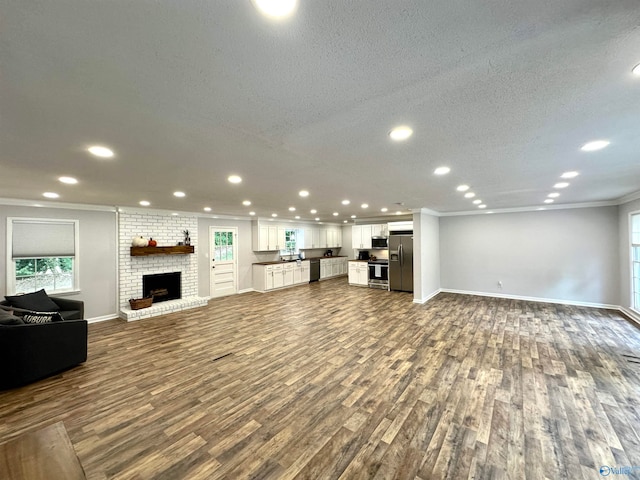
[{"x": 379, "y": 274}]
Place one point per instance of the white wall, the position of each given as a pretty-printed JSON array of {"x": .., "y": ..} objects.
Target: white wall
[
  {"x": 625, "y": 250},
  {"x": 97, "y": 255},
  {"x": 426, "y": 259},
  {"x": 570, "y": 255}
]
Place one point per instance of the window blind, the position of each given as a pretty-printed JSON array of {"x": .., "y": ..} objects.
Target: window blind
[{"x": 38, "y": 239}]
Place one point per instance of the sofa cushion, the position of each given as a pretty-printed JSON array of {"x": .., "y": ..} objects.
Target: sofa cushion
[
  {"x": 37, "y": 301},
  {"x": 41, "y": 317},
  {"x": 7, "y": 318}
]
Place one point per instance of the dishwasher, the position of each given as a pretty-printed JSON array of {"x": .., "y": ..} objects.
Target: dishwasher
[{"x": 315, "y": 270}]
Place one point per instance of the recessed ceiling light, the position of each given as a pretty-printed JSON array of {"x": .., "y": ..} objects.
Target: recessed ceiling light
[
  {"x": 636, "y": 70},
  {"x": 364, "y": 205},
  {"x": 277, "y": 9},
  {"x": 346, "y": 202},
  {"x": 345, "y": 221},
  {"x": 482, "y": 206},
  {"x": 207, "y": 209},
  {"x": 292, "y": 209},
  {"x": 569, "y": 175},
  {"x": 553, "y": 195},
  {"x": 313, "y": 211},
  {"x": 595, "y": 145},
  {"x": 549, "y": 200},
  {"x": 462, "y": 188},
  {"x": 246, "y": 203},
  {"x": 274, "y": 215},
  {"x": 68, "y": 180},
  {"x": 384, "y": 209},
  {"x": 37, "y": 205},
  {"x": 442, "y": 170},
  {"x": 252, "y": 213},
  {"x": 317, "y": 219},
  {"x": 469, "y": 195},
  {"x": 100, "y": 151},
  {"x": 477, "y": 202},
  {"x": 561, "y": 185},
  {"x": 234, "y": 179},
  {"x": 398, "y": 213},
  {"x": 179, "y": 194},
  {"x": 297, "y": 217},
  {"x": 335, "y": 214},
  {"x": 145, "y": 203},
  {"x": 353, "y": 216},
  {"x": 400, "y": 133},
  {"x": 50, "y": 195},
  {"x": 303, "y": 193},
  {"x": 488, "y": 213},
  {"x": 174, "y": 214}
]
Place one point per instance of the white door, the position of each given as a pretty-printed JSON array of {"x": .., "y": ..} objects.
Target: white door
[{"x": 223, "y": 252}]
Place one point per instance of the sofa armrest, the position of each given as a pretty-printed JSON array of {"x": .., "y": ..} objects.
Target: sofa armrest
[{"x": 69, "y": 304}]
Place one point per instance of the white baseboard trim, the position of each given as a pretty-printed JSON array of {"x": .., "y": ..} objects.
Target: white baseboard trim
[
  {"x": 102, "y": 318},
  {"x": 627, "y": 312},
  {"x": 246, "y": 290},
  {"x": 426, "y": 299},
  {"x": 533, "y": 299}
]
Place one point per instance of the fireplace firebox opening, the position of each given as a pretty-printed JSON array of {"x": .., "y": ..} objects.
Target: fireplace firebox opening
[{"x": 162, "y": 286}]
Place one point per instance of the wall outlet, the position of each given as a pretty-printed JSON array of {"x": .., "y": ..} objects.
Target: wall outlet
[{"x": 500, "y": 284}]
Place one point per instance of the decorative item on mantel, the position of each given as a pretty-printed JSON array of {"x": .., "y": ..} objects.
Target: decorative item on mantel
[
  {"x": 187, "y": 238},
  {"x": 152, "y": 242},
  {"x": 139, "y": 241},
  {"x": 138, "y": 303}
]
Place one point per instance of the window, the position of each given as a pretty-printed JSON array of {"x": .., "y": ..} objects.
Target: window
[
  {"x": 42, "y": 253},
  {"x": 290, "y": 242},
  {"x": 635, "y": 262},
  {"x": 223, "y": 250}
]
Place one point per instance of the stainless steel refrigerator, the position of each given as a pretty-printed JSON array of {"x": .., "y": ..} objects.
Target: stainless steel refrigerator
[{"x": 401, "y": 262}]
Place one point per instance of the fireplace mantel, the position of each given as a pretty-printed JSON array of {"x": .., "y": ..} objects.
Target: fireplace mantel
[{"x": 175, "y": 250}]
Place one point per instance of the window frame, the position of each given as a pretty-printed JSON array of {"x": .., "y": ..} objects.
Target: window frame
[
  {"x": 11, "y": 262},
  {"x": 633, "y": 293}
]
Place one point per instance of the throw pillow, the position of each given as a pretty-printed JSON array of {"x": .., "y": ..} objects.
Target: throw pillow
[
  {"x": 37, "y": 301},
  {"x": 41, "y": 317},
  {"x": 6, "y": 318}
]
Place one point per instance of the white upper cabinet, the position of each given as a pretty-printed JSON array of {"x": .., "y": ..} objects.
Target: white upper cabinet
[{"x": 361, "y": 236}]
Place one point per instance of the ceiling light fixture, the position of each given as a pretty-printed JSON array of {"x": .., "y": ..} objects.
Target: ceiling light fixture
[
  {"x": 276, "y": 9},
  {"x": 292, "y": 209},
  {"x": 145, "y": 203},
  {"x": 442, "y": 170},
  {"x": 297, "y": 217},
  {"x": 462, "y": 188},
  {"x": 303, "y": 193},
  {"x": 274, "y": 215},
  {"x": 179, "y": 194},
  {"x": 252, "y": 213},
  {"x": 477, "y": 202},
  {"x": 400, "y": 133},
  {"x": 246, "y": 203},
  {"x": 68, "y": 180},
  {"x": 548, "y": 200},
  {"x": 317, "y": 219},
  {"x": 553, "y": 195},
  {"x": 174, "y": 214},
  {"x": 346, "y": 202},
  {"x": 469, "y": 195},
  {"x": 384, "y": 209},
  {"x": 398, "y": 213},
  {"x": 207, "y": 209},
  {"x": 364, "y": 205},
  {"x": 569, "y": 175},
  {"x": 234, "y": 179},
  {"x": 312, "y": 211},
  {"x": 561, "y": 185},
  {"x": 50, "y": 195},
  {"x": 595, "y": 145},
  {"x": 482, "y": 206},
  {"x": 100, "y": 151},
  {"x": 353, "y": 216},
  {"x": 345, "y": 221},
  {"x": 335, "y": 214}
]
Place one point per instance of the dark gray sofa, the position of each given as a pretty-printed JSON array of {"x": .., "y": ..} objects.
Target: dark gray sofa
[{"x": 69, "y": 309}]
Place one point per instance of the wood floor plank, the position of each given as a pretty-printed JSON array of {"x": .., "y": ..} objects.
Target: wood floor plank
[{"x": 332, "y": 381}]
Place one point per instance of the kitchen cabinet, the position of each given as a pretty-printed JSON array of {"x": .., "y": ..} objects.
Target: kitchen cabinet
[
  {"x": 379, "y": 230},
  {"x": 359, "y": 273},
  {"x": 361, "y": 237},
  {"x": 311, "y": 238},
  {"x": 334, "y": 238},
  {"x": 267, "y": 237},
  {"x": 269, "y": 277},
  {"x": 333, "y": 267}
]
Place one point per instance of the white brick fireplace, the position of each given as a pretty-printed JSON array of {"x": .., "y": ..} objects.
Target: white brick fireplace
[{"x": 167, "y": 231}]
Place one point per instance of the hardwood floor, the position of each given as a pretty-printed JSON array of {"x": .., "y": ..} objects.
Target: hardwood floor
[{"x": 332, "y": 381}]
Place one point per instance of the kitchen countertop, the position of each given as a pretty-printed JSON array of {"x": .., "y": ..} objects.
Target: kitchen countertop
[{"x": 280, "y": 262}]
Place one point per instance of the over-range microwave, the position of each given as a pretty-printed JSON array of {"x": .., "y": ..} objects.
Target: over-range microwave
[{"x": 379, "y": 242}]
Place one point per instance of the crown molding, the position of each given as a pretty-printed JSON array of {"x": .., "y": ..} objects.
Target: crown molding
[
  {"x": 14, "y": 202},
  {"x": 629, "y": 198}
]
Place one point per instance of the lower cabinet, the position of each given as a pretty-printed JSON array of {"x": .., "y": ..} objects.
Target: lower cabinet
[
  {"x": 269, "y": 277},
  {"x": 359, "y": 273},
  {"x": 333, "y": 267}
]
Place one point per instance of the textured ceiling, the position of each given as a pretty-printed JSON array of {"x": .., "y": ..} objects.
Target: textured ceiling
[{"x": 186, "y": 93}]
